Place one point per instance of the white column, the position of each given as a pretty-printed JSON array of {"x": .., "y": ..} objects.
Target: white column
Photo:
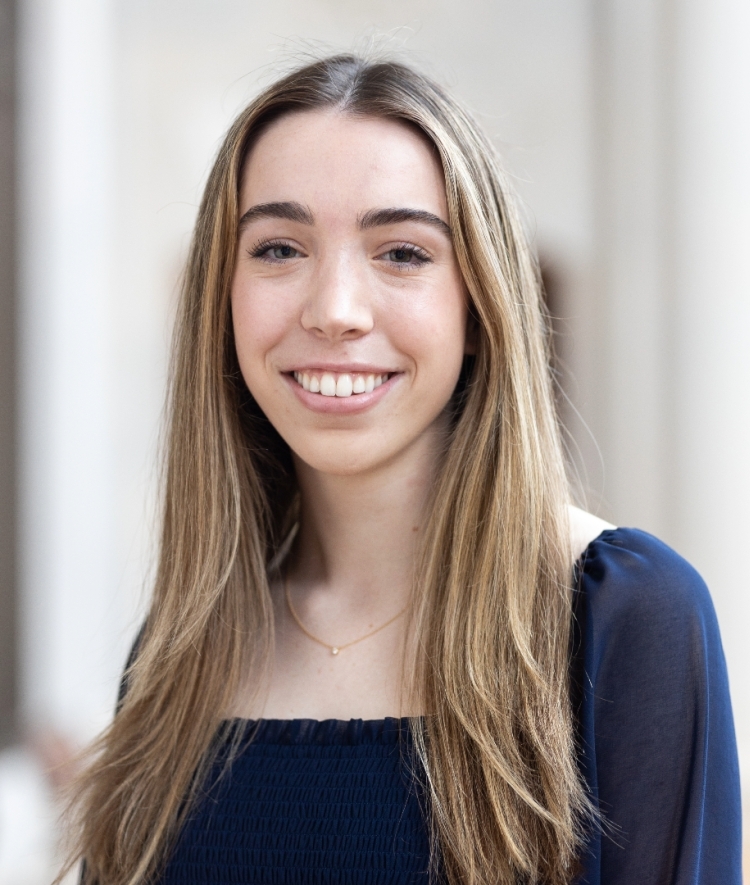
[
  {"x": 627, "y": 417},
  {"x": 710, "y": 309},
  {"x": 672, "y": 409},
  {"x": 66, "y": 156}
]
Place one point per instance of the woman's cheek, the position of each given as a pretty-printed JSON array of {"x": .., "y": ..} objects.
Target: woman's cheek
[{"x": 260, "y": 321}]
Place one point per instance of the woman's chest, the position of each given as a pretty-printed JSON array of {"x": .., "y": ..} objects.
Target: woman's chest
[{"x": 309, "y": 802}]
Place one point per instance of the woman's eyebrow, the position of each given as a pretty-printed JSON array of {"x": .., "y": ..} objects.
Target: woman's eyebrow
[
  {"x": 293, "y": 211},
  {"x": 380, "y": 217},
  {"x": 289, "y": 210}
]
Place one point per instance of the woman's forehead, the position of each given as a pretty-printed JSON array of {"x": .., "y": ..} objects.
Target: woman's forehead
[{"x": 326, "y": 158}]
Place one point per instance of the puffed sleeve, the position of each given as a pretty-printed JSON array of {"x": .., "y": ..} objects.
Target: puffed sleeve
[{"x": 656, "y": 738}]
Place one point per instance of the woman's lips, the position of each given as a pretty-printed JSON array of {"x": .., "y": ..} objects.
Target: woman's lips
[{"x": 339, "y": 392}]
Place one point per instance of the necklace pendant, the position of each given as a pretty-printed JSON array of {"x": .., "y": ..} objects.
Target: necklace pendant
[{"x": 334, "y": 650}]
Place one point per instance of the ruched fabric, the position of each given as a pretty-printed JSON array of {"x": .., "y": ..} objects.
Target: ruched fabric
[
  {"x": 307, "y": 801},
  {"x": 329, "y": 802}
]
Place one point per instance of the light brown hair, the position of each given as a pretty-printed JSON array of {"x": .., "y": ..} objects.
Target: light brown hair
[{"x": 492, "y": 608}]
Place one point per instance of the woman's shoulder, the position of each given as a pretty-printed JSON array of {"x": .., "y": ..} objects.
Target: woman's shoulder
[
  {"x": 634, "y": 591},
  {"x": 624, "y": 572},
  {"x": 584, "y": 528}
]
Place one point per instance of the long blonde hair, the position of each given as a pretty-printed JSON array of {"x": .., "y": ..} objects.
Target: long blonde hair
[{"x": 492, "y": 605}]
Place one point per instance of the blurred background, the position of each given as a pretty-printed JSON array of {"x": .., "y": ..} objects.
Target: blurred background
[{"x": 626, "y": 127}]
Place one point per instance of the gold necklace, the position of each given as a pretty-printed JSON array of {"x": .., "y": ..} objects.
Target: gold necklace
[{"x": 334, "y": 649}]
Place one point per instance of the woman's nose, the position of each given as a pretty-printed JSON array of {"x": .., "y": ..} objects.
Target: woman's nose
[{"x": 338, "y": 305}]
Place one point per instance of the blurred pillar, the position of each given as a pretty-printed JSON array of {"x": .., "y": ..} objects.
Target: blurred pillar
[
  {"x": 710, "y": 319},
  {"x": 8, "y": 626},
  {"x": 632, "y": 141},
  {"x": 66, "y": 152},
  {"x": 673, "y": 410}
]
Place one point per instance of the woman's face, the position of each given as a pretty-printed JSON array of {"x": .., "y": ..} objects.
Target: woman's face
[{"x": 349, "y": 309}]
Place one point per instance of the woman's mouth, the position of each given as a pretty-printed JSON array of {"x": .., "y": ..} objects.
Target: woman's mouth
[{"x": 341, "y": 384}]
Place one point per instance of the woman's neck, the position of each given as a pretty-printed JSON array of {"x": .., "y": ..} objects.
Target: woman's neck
[
  {"x": 349, "y": 575},
  {"x": 358, "y": 534}
]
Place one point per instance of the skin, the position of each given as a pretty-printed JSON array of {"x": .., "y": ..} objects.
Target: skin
[{"x": 337, "y": 284}]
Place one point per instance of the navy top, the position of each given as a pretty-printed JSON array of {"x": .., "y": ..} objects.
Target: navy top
[{"x": 336, "y": 802}]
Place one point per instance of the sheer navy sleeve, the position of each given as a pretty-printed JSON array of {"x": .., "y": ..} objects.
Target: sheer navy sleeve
[{"x": 657, "y": 745}]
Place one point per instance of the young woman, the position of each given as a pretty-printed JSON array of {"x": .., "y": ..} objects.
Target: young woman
[{"x": 383, "y": 647}]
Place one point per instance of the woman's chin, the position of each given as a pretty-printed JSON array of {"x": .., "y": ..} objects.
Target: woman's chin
[{"x": 340, "y": 464}]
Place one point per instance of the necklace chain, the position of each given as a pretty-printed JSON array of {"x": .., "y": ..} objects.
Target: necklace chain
[{"x": 334, "y": 649}]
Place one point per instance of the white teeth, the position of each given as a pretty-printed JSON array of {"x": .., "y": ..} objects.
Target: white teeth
[
  {"x": 344, "y": 385},
  {"x": 328, "y": 385}
]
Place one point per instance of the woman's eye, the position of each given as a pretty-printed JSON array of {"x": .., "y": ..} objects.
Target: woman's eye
[
  {"x": 281, "y": 252},
  {"x": 407, "y": 255},
  {"x": 275, "y": 252}
]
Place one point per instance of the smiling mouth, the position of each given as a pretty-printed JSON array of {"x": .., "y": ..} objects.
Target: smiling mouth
[{"x": 339, "y": 383}]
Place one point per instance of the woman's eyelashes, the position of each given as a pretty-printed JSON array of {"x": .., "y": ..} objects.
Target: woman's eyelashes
[
  {"x": 406, "y": 256},
  {"x": 274, "y": 251},
  {"x": 402, "y": 256}
]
